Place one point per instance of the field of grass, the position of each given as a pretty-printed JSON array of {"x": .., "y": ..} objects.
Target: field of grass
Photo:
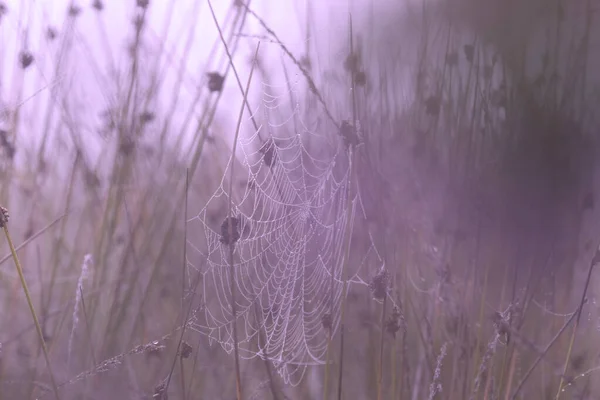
[{"x": 398, "y": 204}]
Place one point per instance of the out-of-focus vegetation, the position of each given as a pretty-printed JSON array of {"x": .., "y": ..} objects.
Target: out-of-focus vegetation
[{"x": 409, "y": 212}]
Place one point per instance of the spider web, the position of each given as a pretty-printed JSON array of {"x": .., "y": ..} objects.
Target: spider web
[{"x": 291, "y": 221}]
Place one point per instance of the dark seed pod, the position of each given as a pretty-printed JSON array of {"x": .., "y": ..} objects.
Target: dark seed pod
[
  {"x": 327, "y": 321},
  {"x": 4, "y": 217},
  {"x": 98, "y": 5},
  {"x": 230, "y": 235},
  {"x": 74, "y": 11},
  {"x": 186, "y": 350},
  {"x": 51, "y": 33},
  {"x": 380, "y": 284},
  {"x": 395, "y": 322},
  {"x": 349, "y": 134},
  {"x": 215, "y": 81},
  {"x": 268, "y": 152},
  {"x": 25, "y": 59}
]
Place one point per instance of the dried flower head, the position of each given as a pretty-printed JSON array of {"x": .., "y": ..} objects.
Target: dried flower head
[
  {"x": 4, "y": 217},
  {"x": 501, "y": 325},
  {"x": 268, "y": 152},
  {"x": 380, "y": 284},
  {"x": 6, "y": 145},
  {"x": 160, "y": 392},
  {"x": 51, "y": 33},
  {"x": 352, "y": 63},
  {"x": 74, "y": 11},
  {"x": 360, "y": 78},
  {"x": 349, "y": 133},
  {"x": 143, "y": 3},
  {"x": 327, "y": 321},
  {"x": 138, "y": 22},
  {"x": 25, "y": 59},
  {"x": 98, "y": 5},
  {"x": 215, "y": 81},
  {"x": 186, "y": 350},
  {"x": 306, "y": 63},
  {"x": 395, "y": 322},
  {"x": 3, "y": 10},
  {"x": 146, "y": 117},
  {"x": 230, "y": 230}
]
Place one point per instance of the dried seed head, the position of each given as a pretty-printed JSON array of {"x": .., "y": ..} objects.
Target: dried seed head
[
  {"x": 6, "y": 145},
  {"x": 51, "y": 33},
  {"x": 186, "y": 350},
  {"x": 395, "y": 322},
  {"x": 380, "y": 284},
  {"x": 360, "y": 78},
  {"x": 138, "y": 22},
  {"x": 327, "y": 321},
  {"x": 4, "y": 217},
  {"x": 349, "y": 133},
  {"x": 146, "y": 117},
  {"x": 352, "y": 63},
  {"x": 215, "y": 81},
  {"x": 230, "y": 230},
  {"x": 25, "y": 59},
  {"x": 74, "y": 11},
  {"x": 306, "y": 63},
  {"x": 3, "y": 10},
  {"x": 98, "y": 5},
  {"x": 160, "y": 392},
  {"x": 578, "y": 361},
  {"x": 501, "y": 325},
  {"x": 268, "y": 152}
]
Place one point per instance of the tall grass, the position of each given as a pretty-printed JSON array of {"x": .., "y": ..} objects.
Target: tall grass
[{"x": 467, "y": 268}]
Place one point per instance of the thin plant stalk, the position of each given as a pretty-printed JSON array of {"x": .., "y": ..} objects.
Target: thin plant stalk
[
  {"x": 230, "y": 229},
  {"x": 38, "y": 327},
  {"x": 349, "y": 214},
  {"x": 380, "y": 366},
  {"x": 594, "y": 261}
]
